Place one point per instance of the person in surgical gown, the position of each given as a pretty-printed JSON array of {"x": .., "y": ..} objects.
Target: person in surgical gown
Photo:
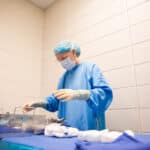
[{"x": 82, "y": 96}]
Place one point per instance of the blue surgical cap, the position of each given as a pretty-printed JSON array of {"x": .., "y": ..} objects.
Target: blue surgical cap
[{"x": 66, "y": 46}]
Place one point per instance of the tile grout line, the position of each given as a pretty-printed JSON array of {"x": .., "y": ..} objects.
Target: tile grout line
[
  {"x": 127, "y": 108},
  {"x": 126, "y": 66},
  {"x": 117, "y": 49},
  {"x": 42, "y": 57},
  {"x": 125, "y": 87},
  {"x": 116, "y": 31},
  {"x": 134, "y": 70},
  {"x": 115, "y": 15}
]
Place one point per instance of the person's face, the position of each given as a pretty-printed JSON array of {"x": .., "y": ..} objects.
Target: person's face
[{"x": 62, "y": 56}]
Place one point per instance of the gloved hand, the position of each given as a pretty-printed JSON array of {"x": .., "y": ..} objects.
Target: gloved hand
[
  {"x": 69, "y": 94},
  {"x": 32, "y": 105}
]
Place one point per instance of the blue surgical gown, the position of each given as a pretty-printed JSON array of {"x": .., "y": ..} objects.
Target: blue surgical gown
[{"x": 83, "y": 114}]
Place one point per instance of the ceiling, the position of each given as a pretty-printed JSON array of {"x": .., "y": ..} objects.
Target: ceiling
[{"x": 42, "y": 3}]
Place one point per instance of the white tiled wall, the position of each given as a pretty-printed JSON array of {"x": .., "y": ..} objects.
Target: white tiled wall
[
  {"x": 21, "y": 35},
  {"x": 121, "y": 119},
  {"x": 116, "y": 36}
]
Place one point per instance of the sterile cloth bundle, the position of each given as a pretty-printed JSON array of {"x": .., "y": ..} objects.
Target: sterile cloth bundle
[{"x": 89, "y": 135}]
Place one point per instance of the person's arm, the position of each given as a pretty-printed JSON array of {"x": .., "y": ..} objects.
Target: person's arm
[
  {"x": 69, "y": 94},
  {"x": 100, "y": 94},
  {"x": 50, "y": 104}
]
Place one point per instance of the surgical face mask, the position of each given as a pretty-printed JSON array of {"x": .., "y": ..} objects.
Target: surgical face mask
[{"x": 68, "y": 64}]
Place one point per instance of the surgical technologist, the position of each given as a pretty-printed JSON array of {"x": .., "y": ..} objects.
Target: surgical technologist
[{"x": 82, "y": 96}]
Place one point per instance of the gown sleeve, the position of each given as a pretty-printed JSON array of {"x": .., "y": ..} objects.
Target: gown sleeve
[
  {"x": 52, "y": 103},
  {"x": 101, "y": 93}
]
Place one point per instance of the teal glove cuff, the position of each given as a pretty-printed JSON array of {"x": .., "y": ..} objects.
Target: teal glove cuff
[{"x": 40, "y": 104}]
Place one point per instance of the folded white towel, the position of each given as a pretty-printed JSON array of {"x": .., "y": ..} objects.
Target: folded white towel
[
  {"x": 58, "y": 130},
  {"x": 110, "y": 136},
  {"x": 101, "y": 136},
  {"x": 91, "y": 135}
]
